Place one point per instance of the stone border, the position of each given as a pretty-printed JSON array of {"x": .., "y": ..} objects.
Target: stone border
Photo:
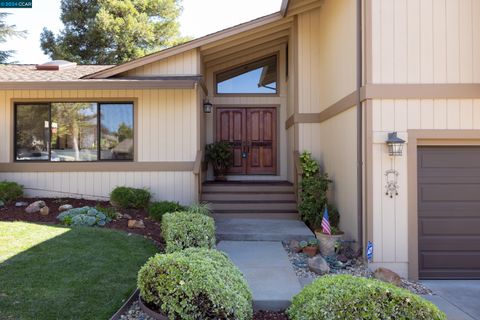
[{"x": 126, "y": 306}]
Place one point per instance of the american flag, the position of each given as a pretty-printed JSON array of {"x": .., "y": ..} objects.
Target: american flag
[{"x": 326, "y": 223}]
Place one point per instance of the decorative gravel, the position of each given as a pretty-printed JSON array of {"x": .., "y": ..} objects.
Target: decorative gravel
[
  {"x": 135, "y": 313},
  {"x": 353, "y": 267}
]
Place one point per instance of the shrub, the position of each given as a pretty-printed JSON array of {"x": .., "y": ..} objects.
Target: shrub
[
  {"x": 348, "y": 297},
  {"x": 130, "y": 198},
  {"x": 85, "y": 216},
  {"x": 108, "y": 211},
  {"x": 184, "y": 229},
  {"x": 195, "y": 283},
  {"x": 310, "y": 167},
  {"x": 201, "y": 208},
  {"x": 10, "y": 191},
  {"x": 158, "y": 209},
  {"x": 314, "y": 199}
]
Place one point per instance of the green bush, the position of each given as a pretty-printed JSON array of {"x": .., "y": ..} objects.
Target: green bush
[
  {"x": 184, "y": 230},
  {"x": 10, "y": 191},
  {"x": 313, "y": 197},
  {"x": 86, "y": 216},
  {"x": 158, "y": 209},
  {"x": 195, "y": 284},
  {"x": 130, "y": 198},
  {"x": 310, "y": 167},
  {"x": 108, "y": 211},
  {"x": 348, "y": 297},
  {"x": 201, "y": 208}
]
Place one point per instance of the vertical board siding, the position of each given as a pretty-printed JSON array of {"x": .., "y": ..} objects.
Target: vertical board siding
[
  {"x": 166, "y": 131},
  {"x": 325, "y": 37},
  {"x": 390, "y": 215},
  {"x": 185, "y": 63},
  {"x": 426, "y": 41}
]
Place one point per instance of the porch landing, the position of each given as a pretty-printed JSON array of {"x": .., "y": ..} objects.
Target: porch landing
[{"x": 261, "y": 229}]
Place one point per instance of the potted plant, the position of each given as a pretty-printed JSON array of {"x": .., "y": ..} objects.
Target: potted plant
[
  {"x": 310, "y": 247},
  {"x": 219, "y": 154},
  {"x": 328, "y": 235}
]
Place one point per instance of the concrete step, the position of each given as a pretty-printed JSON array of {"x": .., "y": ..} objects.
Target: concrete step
[
  {"x": 261, "y": 206},
  {"x": 257, "y": 215},
  {"x": 242, "y": 229},
  {"x": 247, "y": 196},
  {"x": 248, "y": 187},
  {"x": 267, "y": 270}
]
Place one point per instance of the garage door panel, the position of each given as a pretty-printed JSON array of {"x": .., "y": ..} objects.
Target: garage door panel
[
  {"x": 450, "y": 192},
  {"x": 445, "y": 226},
  {"x": 450, "y": 260},
  {"x": 447, "y": 159},
  {"x": 449, "y": 212},
  {"x": 450, "y": 243}
]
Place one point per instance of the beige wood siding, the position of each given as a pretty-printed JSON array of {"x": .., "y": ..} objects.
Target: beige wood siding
[
  {"x": 334, "y": 144},
  {"x": 166, "y": 130},
  {"x": 425, "y": 41},
  {"x": 186, "y": 63},
  {"x": 390, "y": 215},
  {"x": 326, "y": 55}
]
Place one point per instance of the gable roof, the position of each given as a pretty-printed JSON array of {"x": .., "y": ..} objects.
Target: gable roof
[
  {"x": 193, "y": 44},
  {"x": 29, "y": 72}
]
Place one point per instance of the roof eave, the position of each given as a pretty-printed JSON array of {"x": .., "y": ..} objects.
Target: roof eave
[
  {"x": 193, "y": 44},
  {"x": 284, "y": 7}
]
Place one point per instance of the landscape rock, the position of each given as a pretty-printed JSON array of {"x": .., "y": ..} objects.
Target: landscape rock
[
  {"x": 318, "y": 265},
  {"x": 45, "y": 211},
  {"x": 295, "y": 246},
  {"x": 2, "y": 204},
  {"x": 118, "y": 215},
  {"x": 65, "y": 207},
  {"x": 35, "y": 206},
  {"x": 127, "y": 216},
  {"x": 387, "y": 275},
  {"x": 21, "y": 204},
  {"x": 136, "y": 224}
]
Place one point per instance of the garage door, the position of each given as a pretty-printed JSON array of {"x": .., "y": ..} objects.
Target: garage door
[{"x": 449, "y": 212}]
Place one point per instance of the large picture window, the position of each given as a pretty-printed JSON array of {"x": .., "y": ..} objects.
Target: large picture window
[{"x": 74, "y": 131}]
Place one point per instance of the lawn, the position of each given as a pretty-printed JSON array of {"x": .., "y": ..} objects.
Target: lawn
[{"x": 51, "y": 272}]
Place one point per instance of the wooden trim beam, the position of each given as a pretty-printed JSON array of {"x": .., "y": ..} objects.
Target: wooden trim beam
[
  {"x": 98, "y": 85},
  {"x": 98, "y": 166}
]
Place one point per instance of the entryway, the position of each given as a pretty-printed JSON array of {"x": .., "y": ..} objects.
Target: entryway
[{"x": 252, "y": 131}]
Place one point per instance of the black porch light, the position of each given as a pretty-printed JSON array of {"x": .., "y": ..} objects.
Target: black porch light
[
  {"x": 395, "y": 145},
  {"x": 207, "y": 106}
]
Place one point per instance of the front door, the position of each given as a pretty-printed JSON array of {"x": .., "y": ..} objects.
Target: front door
[{"x": 253, "y": 135}]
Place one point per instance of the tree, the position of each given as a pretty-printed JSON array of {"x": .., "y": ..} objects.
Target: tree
[
  {"x": 113, "y": 31},
  {"x": 7, "y": 31}
]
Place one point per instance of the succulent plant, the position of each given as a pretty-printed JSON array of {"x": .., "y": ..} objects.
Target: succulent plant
[
  {"x": 312, "y": 242},
  {"x": 85, "y": 216},
  {"x": 303, "y": 244}
]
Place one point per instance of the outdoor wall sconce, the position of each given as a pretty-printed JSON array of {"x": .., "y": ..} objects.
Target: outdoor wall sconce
[
  {"x": 395, "y": 145},
  {"x": 207, "y": 106}
]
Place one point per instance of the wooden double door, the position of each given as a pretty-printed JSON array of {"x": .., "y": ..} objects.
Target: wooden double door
[{"x": 252, "y": 131}]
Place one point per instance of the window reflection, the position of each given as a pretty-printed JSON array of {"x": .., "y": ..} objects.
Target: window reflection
[
  {"x": 74, "y": 132},
  {"x": 116, "y": 135},
  {"x": 32, "y": 132},
  {"x": 258, "y": 77}
]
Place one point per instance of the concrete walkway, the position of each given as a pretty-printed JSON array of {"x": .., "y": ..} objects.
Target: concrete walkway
[
  {"x": 459, "y": 299},
  {"x": 268, "y": 271},
  {"x": 261, "y": 230}
]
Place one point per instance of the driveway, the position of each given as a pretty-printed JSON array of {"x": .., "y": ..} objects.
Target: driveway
[{"x": 459, "y": 299}]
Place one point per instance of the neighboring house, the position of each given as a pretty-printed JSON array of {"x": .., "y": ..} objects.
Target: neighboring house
[{"x": 332, "y": 77}]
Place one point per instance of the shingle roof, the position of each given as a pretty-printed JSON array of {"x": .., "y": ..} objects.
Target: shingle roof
[{"x": 28, "y": 72}]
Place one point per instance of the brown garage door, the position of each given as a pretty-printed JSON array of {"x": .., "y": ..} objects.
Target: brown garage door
[{"x": 449, "y": 212}]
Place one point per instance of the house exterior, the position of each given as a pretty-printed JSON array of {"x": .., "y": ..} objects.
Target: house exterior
[{"x": 333, "y": 77}]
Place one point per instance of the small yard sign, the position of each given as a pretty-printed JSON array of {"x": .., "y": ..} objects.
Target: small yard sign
[{"x": 370, "y": 251}]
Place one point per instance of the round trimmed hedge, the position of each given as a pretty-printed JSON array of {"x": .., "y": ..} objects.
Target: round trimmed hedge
[
  {"x": 348, "y": 297},
  {"x": 195, "y": 283},
  {"x": 185, "y": 230}
]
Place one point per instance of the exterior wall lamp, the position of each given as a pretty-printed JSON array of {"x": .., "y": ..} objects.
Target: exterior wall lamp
[
  {"x": 395, "y": 145},
  {"x": 207, "y": 106}
]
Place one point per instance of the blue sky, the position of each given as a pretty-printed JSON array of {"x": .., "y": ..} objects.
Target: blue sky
[{"x": 200, "y": 17}]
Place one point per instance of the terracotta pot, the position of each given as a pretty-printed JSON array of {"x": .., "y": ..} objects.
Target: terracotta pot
[
  {"x": 327, "y": 243},
  {"x": 310, "y": 251},
  {"x": 149, "y": 312}
]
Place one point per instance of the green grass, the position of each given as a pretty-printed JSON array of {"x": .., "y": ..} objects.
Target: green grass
[{"x": 49, "y": 272}]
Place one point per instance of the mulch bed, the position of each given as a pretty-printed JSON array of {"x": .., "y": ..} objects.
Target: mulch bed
[{"x": 151, "y": 230}]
